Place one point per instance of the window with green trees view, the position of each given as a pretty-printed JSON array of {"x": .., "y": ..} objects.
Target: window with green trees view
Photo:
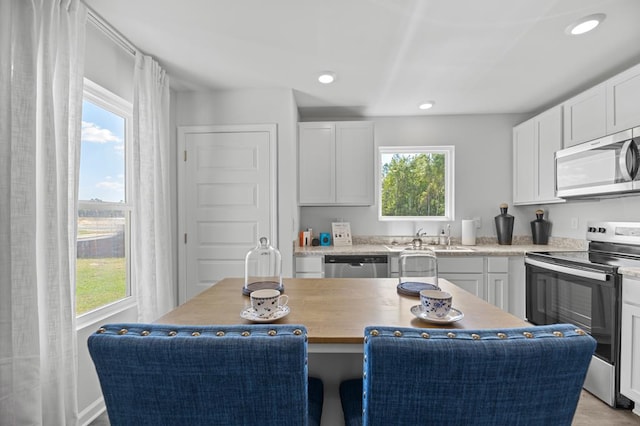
[{"x": 416, "y": 183}]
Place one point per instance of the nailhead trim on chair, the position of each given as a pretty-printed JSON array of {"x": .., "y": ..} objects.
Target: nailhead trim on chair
[
  {"x": 477, "y": 335},
  {"x": 171, "y": 331}
]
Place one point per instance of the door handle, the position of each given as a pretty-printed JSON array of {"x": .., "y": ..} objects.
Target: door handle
[
  {"x": 599, "y": 276},
  {"x": 627, "y": 174}
]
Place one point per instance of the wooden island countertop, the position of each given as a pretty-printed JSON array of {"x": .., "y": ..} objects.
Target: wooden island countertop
[{"x": 336, "y": 310}]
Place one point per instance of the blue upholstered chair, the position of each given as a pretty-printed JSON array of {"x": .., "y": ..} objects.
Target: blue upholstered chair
[
  {"x": 155, "y": 374},
  {"x": 518, "y": 376}
]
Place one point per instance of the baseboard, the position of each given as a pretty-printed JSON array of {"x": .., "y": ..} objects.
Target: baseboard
[{"x": 90, "y": 413}]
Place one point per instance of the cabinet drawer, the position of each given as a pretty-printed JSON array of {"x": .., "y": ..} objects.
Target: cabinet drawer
[
  {"x": 461, "y": 265},
  {"x": 497, "y": 264},
  {"x": 313, "y": 264}
]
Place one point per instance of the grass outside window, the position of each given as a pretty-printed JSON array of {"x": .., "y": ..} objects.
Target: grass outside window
[{"x": 99, "y": 282}]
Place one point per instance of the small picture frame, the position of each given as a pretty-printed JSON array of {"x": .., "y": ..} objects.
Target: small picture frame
[{"x": 341, "y": 233}]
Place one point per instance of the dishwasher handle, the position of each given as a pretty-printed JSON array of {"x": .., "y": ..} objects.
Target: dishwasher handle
[{"x": 355, "y": 260}]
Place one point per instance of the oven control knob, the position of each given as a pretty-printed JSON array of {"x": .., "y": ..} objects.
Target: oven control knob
[
  {"x": 591, "y": 229},
  {"x": 602, "y": 230}
]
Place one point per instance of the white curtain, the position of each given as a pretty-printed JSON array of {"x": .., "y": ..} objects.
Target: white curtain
[
  {"x": 151, "y": 233},
  {"x": 41, "y": 67}
]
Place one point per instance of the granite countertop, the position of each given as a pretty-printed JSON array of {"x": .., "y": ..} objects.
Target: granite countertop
[
  {"x": 630, "y": 272},
  {"x": 484, "y": 247}
]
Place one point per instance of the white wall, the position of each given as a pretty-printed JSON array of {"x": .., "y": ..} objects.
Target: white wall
[
  {"x": 108, "y": 64},
  {"x": 252, "y": 106},
  {"x": 483, "y": 175},
  {"x": 484, "y": 179},
  {"x": 621, "y": 209}
]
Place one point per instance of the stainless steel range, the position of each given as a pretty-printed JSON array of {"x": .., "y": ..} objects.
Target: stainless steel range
[{"x": 584, "y": 288}]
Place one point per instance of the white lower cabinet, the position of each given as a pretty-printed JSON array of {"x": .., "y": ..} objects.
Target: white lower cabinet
[
  {"x": 630, "y": 346},
  {"x": 394, "y": 266},
  {"x": 517, "y": 287},
  {"x": 465, "y": 272},
  {"x": 486, "y": 277},
  {"x": 472, "y": 282},
  {"x": 309, "y": 266},
  {"x": 498, "y": 282}
]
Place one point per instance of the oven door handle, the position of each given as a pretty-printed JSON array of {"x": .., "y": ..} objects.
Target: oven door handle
[{"x": 599, "y": 276}]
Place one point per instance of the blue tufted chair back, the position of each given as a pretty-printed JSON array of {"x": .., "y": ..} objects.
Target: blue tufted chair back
[
  {"x": 521, "y": 376},
  {"x": 155, "y": 374}
]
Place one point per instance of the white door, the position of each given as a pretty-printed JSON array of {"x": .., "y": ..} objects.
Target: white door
[{"x": 227, "y": 200}]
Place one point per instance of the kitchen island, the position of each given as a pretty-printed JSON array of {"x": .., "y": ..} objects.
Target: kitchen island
[{"x": 335, "y": 312}]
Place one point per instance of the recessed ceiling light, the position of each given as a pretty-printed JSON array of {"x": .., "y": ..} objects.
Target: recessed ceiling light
[
  {"x": 427, "y": 105},
  {"x": 327, "y": 77},
  {"x": 585, "y": 24}
]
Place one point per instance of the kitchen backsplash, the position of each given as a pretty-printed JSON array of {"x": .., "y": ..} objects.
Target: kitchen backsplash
[{"x": 569, "y": 243}]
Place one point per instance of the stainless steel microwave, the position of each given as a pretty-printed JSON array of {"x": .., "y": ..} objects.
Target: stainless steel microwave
[{"x": 601, "y": 167}]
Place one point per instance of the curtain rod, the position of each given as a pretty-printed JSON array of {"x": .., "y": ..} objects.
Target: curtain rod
[{"x": 110, "y": 32}]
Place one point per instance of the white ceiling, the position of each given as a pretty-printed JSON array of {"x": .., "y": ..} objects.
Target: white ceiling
[{"x": 469, "y": 56}]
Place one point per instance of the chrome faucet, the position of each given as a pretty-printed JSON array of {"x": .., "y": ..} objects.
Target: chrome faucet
[
  {"x": 449, "y": 234},
  {"x": 419, "y": 233}
]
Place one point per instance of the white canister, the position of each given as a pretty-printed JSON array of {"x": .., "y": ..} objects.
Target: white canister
[{"x": 468, "y": 232}]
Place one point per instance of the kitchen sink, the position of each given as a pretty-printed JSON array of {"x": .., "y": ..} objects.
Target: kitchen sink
[
  {"x": 452, "y": 249},
  {"x": 398, "y": 247},
  {"x": 445, "y": 248}
]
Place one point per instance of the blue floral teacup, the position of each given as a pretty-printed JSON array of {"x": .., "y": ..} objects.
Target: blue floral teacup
[{"x": 435, "y": 303}]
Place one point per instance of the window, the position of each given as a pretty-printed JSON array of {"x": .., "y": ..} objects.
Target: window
[
  {"x": 416, "y": 183},
  {"x": 104, "y": 211}
]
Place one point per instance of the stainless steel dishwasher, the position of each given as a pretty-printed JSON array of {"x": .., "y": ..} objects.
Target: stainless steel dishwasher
[{"x": 356, "y": 266}]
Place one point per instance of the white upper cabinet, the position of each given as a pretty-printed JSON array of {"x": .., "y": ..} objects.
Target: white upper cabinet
[
  {"x": 524, "y": 163},
  {"x": 316, "y": 163},
  {"x": 607, "y": 108},
  {"x": 585, "y": 116},
  {"x": 336, "y": 163},
  {"x": 623, "y": 100},
  {"x": 534, "y": 144}
]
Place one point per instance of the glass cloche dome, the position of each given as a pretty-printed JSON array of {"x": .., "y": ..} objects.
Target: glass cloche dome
[
  {"x": 418, "y": 270},
  {"x": 262, "y": 268}
]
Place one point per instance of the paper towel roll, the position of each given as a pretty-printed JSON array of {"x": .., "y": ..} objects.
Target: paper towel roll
[{"x": 468, "y": 232}]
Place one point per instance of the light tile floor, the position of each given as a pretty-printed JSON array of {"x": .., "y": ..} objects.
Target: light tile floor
[{"x": 591, "y": 411}]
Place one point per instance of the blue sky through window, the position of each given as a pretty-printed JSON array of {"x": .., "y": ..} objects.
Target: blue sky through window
[{"x": 102, "y": 162}]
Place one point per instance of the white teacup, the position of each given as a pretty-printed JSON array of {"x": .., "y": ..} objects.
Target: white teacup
[
  {"x": 435, "y": 303},
  {"x": 266, "y": 301}
]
